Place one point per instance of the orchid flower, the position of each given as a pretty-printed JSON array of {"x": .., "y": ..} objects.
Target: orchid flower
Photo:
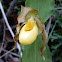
[{"x": 30, "y": 28}]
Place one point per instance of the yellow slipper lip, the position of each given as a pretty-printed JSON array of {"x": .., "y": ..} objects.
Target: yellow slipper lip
[{"x": 28, "y": 37}]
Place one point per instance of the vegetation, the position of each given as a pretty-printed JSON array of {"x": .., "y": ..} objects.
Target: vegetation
[{"x": 50, "y": 11}]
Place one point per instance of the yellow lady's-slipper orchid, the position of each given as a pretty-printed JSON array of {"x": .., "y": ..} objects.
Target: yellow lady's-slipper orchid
[{"x": 28, "y": 33}]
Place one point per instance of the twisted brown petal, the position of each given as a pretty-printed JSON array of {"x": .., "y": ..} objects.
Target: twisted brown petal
[{"x": 44, "y": 38}]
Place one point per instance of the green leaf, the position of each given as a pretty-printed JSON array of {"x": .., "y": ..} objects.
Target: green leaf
[
  {"x": 44, "y": 7},
  {"x": 32, "y": 52},
  {"x": 58, "y": 8}
]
